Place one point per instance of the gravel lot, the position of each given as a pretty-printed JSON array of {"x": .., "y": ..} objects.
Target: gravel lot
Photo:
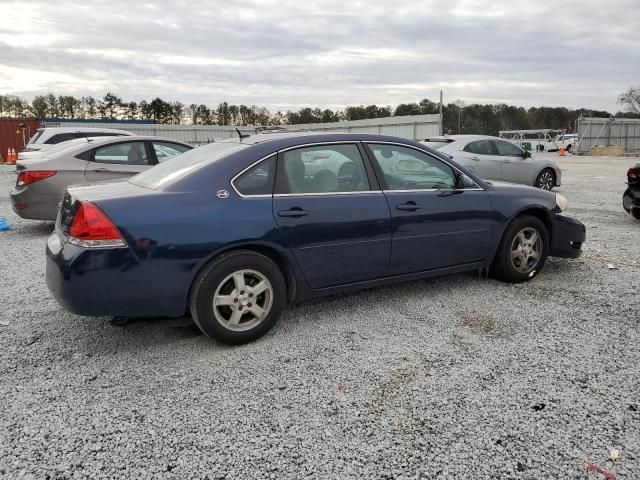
[{"x": 454, "y": 377}]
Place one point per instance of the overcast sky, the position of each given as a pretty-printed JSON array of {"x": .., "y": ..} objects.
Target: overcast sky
[{"x": 286, "y": 53}]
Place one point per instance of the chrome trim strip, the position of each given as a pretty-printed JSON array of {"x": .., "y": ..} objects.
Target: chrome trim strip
[
  {"x": 324, "y": 194},
  {"x": 315, "y": 144},
  {"x": 436, "y": 190}
]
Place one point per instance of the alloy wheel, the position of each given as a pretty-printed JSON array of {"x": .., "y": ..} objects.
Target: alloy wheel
[
  {"x": 526, "y": 249},
  {"x": 545, "y": 181},
  {"x": 243, "y": 300}
]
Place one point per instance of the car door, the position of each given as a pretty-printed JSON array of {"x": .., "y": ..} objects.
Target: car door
[
  {"x": 480, "y": 156},
  {"x": 117, "y": 161},
  {"x": 517, "y": 166},
  {"x": 440, "y": 218},
  {"x": 332, "y": 214}
]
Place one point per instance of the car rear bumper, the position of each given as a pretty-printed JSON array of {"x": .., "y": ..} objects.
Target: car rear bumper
[
  {"x": 110, "y": 282},
  {"x": 568, "y": 235},
  {"x": 34, "y": 205}
]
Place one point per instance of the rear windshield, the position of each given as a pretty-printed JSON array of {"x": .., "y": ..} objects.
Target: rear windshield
[{"x": 180, "y": 166}]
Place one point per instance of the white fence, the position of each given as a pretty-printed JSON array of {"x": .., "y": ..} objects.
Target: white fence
[
  {"x": 606, "y": 132},
  {"x": 413, "y": 127}
]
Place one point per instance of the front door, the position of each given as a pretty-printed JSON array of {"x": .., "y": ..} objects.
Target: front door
[
  {"x": 332, "y": 214},
  {"x": 117, "y": 161},
  {"x": 481, "y": 158},
  {"x": 439, "y": 218},
  {"x": 517, "y": 166}
]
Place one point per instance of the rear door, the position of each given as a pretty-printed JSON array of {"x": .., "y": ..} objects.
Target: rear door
[
  {"x": 482, "y": 159},
  {"x": 117, "y": 161},
  {"x": 437, "y": 222},
  {"x": 517, "y": 166},
  {"x": 332, "y": 214}
]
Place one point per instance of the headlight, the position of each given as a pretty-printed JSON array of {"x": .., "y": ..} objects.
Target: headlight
[{"x": 561, "y": 202}]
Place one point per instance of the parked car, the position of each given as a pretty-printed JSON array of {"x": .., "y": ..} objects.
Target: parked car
[
  {"x": 631, "y": 196},
  {"x": 493, "y": 158},
  {"x": 42, "y": 181},
  {"x": 234, "y": 230},
  {"x": 58, "y": 147},
  {"x": 44, "y": 138}
]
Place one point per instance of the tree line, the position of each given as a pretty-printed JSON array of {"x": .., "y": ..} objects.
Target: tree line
[{"x": 458, "y": 117}]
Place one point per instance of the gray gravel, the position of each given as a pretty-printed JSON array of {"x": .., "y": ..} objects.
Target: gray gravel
[{"x": 446, "y": 378}]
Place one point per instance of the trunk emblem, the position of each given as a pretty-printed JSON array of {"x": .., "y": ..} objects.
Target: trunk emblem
[{"x": 222, "y": 194}]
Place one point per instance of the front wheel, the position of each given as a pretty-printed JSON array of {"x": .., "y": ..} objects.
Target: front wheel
[
  {"x": 238, "y": 297},
  {"x": 522, "y": 251},
  {"x": 546, "y": 179}
]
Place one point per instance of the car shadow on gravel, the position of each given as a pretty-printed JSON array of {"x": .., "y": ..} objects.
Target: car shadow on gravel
[{"x": 35, "y": 230}]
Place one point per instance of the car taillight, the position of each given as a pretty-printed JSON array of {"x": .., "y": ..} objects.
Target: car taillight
[
  {"x": 91, "y": 228},
  {"x": 31, "y": 176},
  {"x": 633, "y": 175}
]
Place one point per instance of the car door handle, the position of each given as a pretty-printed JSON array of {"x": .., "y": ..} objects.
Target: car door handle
[
  {"x": 101, "y": 170},
  {"x": 294, "y": 212},
  {"x": 475, "y": 159},
  {"x": 507, "y": 161},
  {"x": 409, "y": 207}
]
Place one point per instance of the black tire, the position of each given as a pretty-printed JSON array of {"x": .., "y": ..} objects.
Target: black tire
[
  {"x": 635, "y": 212},
  {"x": 568, "y": 149},
  {"x": 627, "y": 201},
  {"x": 504, "y": 267},
  {"x": 215, "y": 276},
  {"x": 546, "y": 179}
]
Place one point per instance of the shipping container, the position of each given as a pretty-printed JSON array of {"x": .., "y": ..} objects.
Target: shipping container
[{"x": 15, "y": 133}]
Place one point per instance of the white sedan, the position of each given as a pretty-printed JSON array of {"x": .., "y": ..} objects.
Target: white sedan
[{"x": 493, "y": 158}]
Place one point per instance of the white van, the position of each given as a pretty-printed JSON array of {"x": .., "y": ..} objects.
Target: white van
[{"x": 47, "y": 137}]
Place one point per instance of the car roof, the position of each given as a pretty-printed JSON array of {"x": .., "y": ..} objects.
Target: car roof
[
  {"x": 55, "y": 130},
  {"x": 94, "y": 142}
]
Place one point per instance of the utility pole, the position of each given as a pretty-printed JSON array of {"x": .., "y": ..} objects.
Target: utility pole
[{"x": 441, "y": 122}]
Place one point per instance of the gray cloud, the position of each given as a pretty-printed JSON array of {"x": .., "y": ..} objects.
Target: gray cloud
[{"x": 288, "y": 53}]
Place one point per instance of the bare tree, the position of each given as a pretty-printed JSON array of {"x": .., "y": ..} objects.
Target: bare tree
[{"x": 631, "y": 100}]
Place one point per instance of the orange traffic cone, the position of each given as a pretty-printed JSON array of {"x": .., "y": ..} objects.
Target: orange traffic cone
[
  {"x": 562, "y": 151},
  {"x": 8, "y": 159},
  {"x": 12, "y": 157}
]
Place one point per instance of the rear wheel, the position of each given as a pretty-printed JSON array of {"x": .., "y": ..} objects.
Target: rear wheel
[
  {"x": 238, "y": 297},
  {"x": 522, "y": 251},
  {"x": 546, "y": 179}
]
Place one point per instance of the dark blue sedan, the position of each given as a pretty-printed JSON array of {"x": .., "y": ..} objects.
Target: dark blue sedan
[{"x": 233, "y": 231}]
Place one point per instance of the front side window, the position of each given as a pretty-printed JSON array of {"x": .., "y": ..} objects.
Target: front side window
[
  {"x": 408, "y": 169},
  {"x": 507, "y": 149},
  {"x": 480, "y": 147},
  {"x": 322, "y": 169},
  {"x": 258, "y": 180},
  {"x": 166, "y": 150},
  {"x": 60, "y": 137},
  {"x": 132, "y": 153}
]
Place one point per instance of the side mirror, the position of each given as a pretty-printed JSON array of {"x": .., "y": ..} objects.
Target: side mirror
[{"x": 526, "y": 154}]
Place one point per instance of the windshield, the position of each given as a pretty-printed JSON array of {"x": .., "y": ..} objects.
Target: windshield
[{"x": 182, "y": 165}]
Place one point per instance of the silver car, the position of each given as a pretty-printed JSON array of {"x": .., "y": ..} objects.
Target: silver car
[
  {"x": 493, "y": 158},
  {"x": 42, "y": 181}
]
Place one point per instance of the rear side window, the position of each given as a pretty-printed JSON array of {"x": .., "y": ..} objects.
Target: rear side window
[
  {"x": 60, "y": 137},
  {"x": 507, "y": 149},
  {"x": 35, "y": 137},
  {"x": 258, "y": 180},
  {"x": 480, "y": 147},
  {"x": 322, "y": 169},
  {"x": 166, "y": 150},
  {"x": 131, "y": 153}
]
